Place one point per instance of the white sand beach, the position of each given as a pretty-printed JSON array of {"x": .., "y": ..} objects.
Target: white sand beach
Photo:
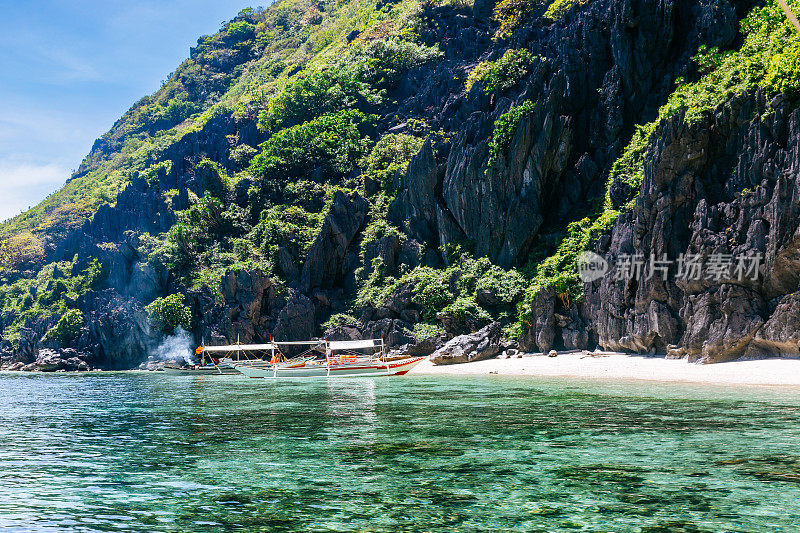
[{"x": 783, "y": 372}]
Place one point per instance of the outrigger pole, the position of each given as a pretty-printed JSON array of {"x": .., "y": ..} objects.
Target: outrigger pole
[
  {"x": 383, "y": 355},
  {"x": 790, "y": 14}
]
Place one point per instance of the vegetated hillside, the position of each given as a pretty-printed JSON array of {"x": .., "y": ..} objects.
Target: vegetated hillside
[{"x": 418, "y": 169}]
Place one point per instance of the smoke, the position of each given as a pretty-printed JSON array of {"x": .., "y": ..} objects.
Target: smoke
[{"x": 177, "y": 347}]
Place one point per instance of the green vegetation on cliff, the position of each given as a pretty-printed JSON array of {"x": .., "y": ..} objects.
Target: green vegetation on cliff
[
  {"x": 504, "y": 129},
  {"x": 502, "y": 74},
  {"x": 46, "y": 296},
  {"x": 67, "y": 328}
]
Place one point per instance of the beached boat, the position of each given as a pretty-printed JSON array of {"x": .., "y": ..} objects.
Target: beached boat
[
  {"x": 254, "y": 355},
  {"x": 197, "y": 370},
  {"x": 342, "y": 359},
  {"x": 324, "y": 369}
]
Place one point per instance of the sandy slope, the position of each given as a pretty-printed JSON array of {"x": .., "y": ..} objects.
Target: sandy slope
[{"x": 621, "y": 366}]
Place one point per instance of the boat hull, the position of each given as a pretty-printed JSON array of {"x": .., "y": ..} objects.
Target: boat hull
[
  {"x": 346, "y": 370},
  {"x": 197, "y": 371}
]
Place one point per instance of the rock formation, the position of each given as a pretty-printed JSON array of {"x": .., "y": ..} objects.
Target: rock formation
[
  {"x": 723, "y": 183},
  {"x": 483, "y": 344}
]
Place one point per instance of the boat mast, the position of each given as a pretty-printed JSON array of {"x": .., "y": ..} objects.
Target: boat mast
[
  {"x": 327, "y": 354},
  {"x": 383, "y": 355}
]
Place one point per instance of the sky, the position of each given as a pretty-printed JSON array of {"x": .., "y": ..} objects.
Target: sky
[{"x": 70, "y": 68}]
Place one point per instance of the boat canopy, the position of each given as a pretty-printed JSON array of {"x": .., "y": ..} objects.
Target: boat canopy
[
  {"x": 332, "y": 345},
  {"x": 240, "y": 347},
  {"x": 355, "y": 345}
]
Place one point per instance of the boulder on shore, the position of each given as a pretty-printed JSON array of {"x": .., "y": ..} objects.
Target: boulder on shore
[
  {"x": 65, "y": 360},
  {"x": 483, "y": 344}
]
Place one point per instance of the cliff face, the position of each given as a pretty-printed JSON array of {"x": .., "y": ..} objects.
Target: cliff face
[
  {"x": 602, "y": 69},
  {"x": 725, "y": 185},
  {"x": 421, "y": 176}
]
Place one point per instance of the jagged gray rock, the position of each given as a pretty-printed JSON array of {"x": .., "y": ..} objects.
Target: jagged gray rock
[
  {"x": 121, "y": 328},
  {"x": 541, "y": 332},
  {"x": 249, "y": 298},
  {"x": 393, "y": 331},
  {"x": 296, "y": 319},
  {"x": 323, "y": 266},
  {"x": 68, "y": 360},
  {"x": 703, "y": 196},
  {"x": 780, "y": 335},
  {"x": 483, "y": 344}
]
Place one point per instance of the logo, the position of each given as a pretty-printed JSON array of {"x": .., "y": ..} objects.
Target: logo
[{"x": 591, "y": 266}]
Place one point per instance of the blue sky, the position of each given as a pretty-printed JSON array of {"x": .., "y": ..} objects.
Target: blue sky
[{"x": 70, "y": 68}]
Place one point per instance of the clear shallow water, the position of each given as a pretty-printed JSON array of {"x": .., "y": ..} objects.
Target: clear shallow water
[{"x": 145, "y": 452}]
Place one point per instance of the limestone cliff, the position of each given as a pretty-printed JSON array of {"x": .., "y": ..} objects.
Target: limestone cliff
[{"x": 424, "y": 173}]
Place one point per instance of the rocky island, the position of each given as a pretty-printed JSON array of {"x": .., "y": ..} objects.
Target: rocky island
[{"x": 429, "y": 172}]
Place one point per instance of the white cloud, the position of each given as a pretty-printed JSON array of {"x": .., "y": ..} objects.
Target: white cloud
[
  {"x": 23, "y": 185},
  {"x": 67, "y": 67}
]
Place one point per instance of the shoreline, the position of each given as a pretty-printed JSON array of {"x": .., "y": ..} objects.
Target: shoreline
[
  {"x": 775, "y": 372},
  {"x": 617, "y": 366}
]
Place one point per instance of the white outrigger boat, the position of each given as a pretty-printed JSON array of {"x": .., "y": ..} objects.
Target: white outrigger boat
[
  {"x": 342, "y": 359},
  {"x": 194, "y": 370}
]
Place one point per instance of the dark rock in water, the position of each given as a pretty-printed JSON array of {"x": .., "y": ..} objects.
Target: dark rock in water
[
  {"x": 483, "y": 344},
  {"x": 65, "y": 360}
]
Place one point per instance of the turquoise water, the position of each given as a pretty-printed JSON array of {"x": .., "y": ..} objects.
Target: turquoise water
[{"x": 146, "y": 452}]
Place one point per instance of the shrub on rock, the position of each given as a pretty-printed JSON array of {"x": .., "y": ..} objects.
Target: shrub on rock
[
  {"x": 67, "y": 328},
  {"x": 169, "y": 313}
]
